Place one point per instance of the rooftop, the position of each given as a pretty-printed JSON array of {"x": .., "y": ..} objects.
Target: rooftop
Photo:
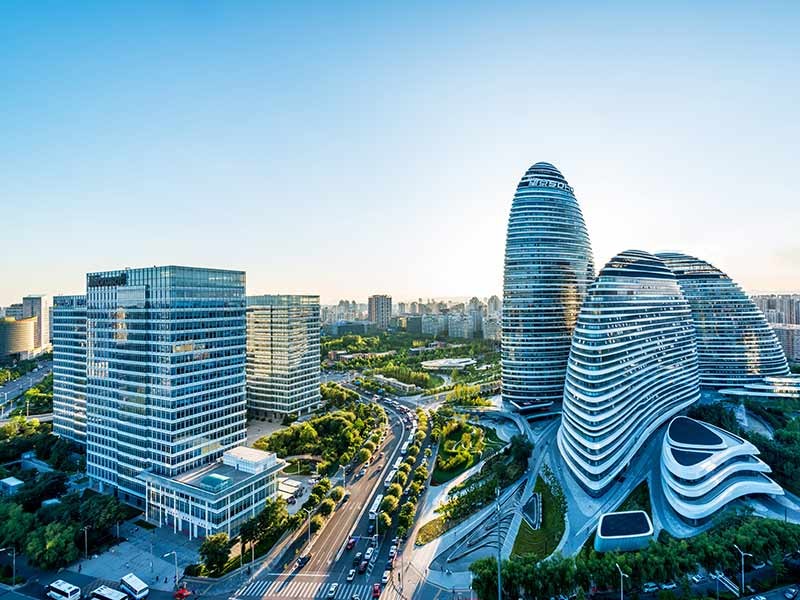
[
  {"x": 684, "y": 430},
  {"x": 628, "y": 523}
]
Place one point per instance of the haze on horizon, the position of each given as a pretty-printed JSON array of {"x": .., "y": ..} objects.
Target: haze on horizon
[{"x": 352, "y": 149}]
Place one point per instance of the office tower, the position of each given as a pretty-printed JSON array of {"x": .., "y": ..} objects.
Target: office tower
[
  {"x": 38, "y": 306},
  {"x": 632, "y": 366},
  {"x": 14, "y": 311},
  {"x": 548, "y": 267},
  {"x": 16, "y": 338},
  {"x": 283, "y": 355},
  {"x": 380, "y": 310},
  {"x": 735, "y": 344},
  {"x": 165, "y": 374},
  {"x": 69, "y": 367},
  {"x": 704, "y": 468}
]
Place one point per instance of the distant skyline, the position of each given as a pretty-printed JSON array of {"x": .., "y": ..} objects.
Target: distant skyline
[{"x": 349, "y": 149}]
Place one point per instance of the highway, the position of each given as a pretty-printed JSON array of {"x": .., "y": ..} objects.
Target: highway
[{"x": 15, "y": 388}]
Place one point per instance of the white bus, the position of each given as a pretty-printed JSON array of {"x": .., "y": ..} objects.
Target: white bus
[
  {"x": 388, "y": 481},
  {"x": 106, "y": 593},
  {"x": 134, "y": 587},
  {"x": 404, "y": 448},
  {"x": 61, "y": 590},
  {"x": 397, "y": 463},
  {"x": 376, "y": 507}
]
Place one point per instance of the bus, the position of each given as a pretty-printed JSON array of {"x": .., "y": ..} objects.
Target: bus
[
  {"x": 106, "y": 593},
  {"x": 388, "y": 481},
  {"x": 404, "y": 449},
  {"x": 376, "y": 507},
  {"x": 134, "y": 587},
  {"x": 397, "y": 463},
  {"x": 62, "y": 590}
]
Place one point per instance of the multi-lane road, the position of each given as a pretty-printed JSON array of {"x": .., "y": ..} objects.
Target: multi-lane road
[
  {"x": 331, "y": 562},
  {"x": 19, "y": 386}
]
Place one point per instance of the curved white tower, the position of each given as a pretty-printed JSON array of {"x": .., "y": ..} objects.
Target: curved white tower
[
  {"x": 735, "y": 344},
  {"x": 632, "y": 366},
  {"x": 703, "y": 468},
  {"x": 548, "y": 267}
]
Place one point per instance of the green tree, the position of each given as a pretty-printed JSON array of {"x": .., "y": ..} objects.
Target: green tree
[
  {"x": 389, "y": 504},
  {"x": 363, "y": 456},
  {"x": 215, "y": 551},
  {"x": 337, "y": 493},
  {"x": 52, "y": 545},
  {"x": 15, "y": 524},
  {"x": 394, "y": 490},
  {"x": 384, "y": 521},
  {"x": 317, "y": 522},
  {"x": 326, "y": 507}
]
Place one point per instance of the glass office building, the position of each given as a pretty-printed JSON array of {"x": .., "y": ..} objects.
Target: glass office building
[
  {"x": 165, "y": 373},
  {"x": 632, "y": 366},
  {"x": 69, "y": 367},
  {"x": 283, "y": 355},
  {"x": 735, "y": 343},
  {"x": 548, "y": 267}
]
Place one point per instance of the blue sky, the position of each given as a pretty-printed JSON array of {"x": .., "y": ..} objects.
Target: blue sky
[{"x": 352, "y": 148}]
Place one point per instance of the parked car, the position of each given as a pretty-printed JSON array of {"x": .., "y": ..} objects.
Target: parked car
[
  {"x": 385, "y": 578},
  {"x": 357, "y": 558},
  {"x": 392, "y": 551},
  {"x": 670, "y": 585},
  {"x": 351, "y": 574},
  {"x": 790, "y": 594},
  {"x": 351, "y": 543},
  {"x": 376, "y": 590},
  {"x": 650, "y": 587},
  {"x": 390, "y": 564},
  {"x": 332, "y": 590}
]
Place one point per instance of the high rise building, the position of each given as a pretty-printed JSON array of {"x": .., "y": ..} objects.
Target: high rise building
[
  {"x": 548, "y": 267},
  {"x": 460, "y": 326},
  {"x": 38, "y": 306},
  {"x": 283, "y": 355},
  {"x": 165, "y": 373},
  {"x": 632, "y": 366},
  {"x": 69, "y": 367},
  {"x": 14, "y": 311},
  {"x": 402, "y": 308},
  {"x": 789, "y": 337},
  {"x": 735, "y": 344},
  {"x": 380, "y": 310},
  {"x": 493, "y": 306},
  {"x": 490, "y": 328}
]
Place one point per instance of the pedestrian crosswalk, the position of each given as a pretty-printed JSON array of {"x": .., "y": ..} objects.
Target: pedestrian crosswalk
[{"x": 296, "y": 588}]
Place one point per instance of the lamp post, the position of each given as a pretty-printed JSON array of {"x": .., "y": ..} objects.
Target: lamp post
[
  {"x": 308, "y": 512},
  {"x": 86, "y": 541},
  {"x": 175, "y": 555},
  {"x": 13, "y": 564},
  {"x": 622, "y": 577},
  {"x": 743, "y": 554},
  {"x": 499, "y": 547}
]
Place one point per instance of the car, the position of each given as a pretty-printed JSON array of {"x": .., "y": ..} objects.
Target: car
[
  {"x": 355, "y": 597},
  {"x": 357, "y": 558},
  {"x": 390, "y": 564},
  {"x": 351, "y": 574},
  {"x": 302, "y": 561},
  {"x": 371, "y": 529},
  {"x": 351, "y": 543},
  {"x": 650, "y": 587},
  {"x": 381, "y": 455},
  {"x": 759, "y": 565},
  {"x": 790, "y": 594},
  {"x": 362, "y": 472},
  {"x": 758, "y": 598},
  {"x": 392, "y": 551},
  {"x": 369, "y": 552},
  {"x": 332, "y": 590},
  {"x": 362, "y": 566},
  {"x": 697, "y": 578},
  {"x": 386, "y": 576},
  {"x": 670, "y": 585},
  {"x": 376, "y": 590}
]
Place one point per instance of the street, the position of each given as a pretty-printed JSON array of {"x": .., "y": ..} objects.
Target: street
[{"x": 15, "y": 388}]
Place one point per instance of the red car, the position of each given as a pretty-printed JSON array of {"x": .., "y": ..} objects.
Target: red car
[
  {"x": 182, "y": 594},
  {"x": 376, "y": 590},
  {"x": 351, "y": 543}
]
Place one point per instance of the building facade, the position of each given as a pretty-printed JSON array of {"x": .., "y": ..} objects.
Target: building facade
[
  {"x": 789, "y": 338},
  {"x": 632, "y": 366},
  {"x": 16, "y": 337},
  {"x": 14, "y": 311},
  {"x": 38, "y": 306},
  {"x": 460, "y": 326},
  {"x": 548, "y": 267},
  {"x": 735, "y": 344},
  {"x": 434, "y": 325},
  {"x": 165, "y": 373},
  {"x": 283, "y": 355},
  {"x": 69, "y": 367},
  {"x": 379, "y": 310}
]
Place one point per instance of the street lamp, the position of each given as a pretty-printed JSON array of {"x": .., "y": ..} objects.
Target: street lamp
[
  {"x": 622, "y": 577},
  {"x": 175, "y": 554},
  {"x": 13, "y": 564},
  {"x": 743, "y": 554},
  {"x": 499, "y": 546},
  {"x": 86, "y": 528},
  {"x": 308, "y": 512}
]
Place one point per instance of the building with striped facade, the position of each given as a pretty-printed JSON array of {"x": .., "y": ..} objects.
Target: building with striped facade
[
  {"x": 632, "y": 366},
  {"x": 548, "y": 267},
  {"x": 69, "y": 367},
  {"x": 735, "y": 344}
]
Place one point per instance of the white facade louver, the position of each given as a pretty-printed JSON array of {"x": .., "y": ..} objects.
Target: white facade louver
[
  {"x": 548, "y": 267},
  {"x": 735, "y": 344},
  {"x": 703, "y": 468},
  {"x": 632, "y": 366}
]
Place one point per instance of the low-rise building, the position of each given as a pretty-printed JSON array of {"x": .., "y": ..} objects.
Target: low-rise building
[{"x": 10, "y": 486}]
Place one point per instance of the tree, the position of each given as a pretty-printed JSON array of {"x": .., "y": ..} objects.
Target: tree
[
  {"x": 15, "y": 524},
  {"x": 337, "y": 493},
  {"x": 384, "y": 521},
  {"x": 394, "y": 490},
  {"x": 52, "y": 545},
  {"x": 317, "y": 522},
  {"x": 326, "y": 507},
  {"x": 389, "y": 504},
  {"x": 778, "y": 566},
  {"x": 248, "y": 533},
  {"x": 214, "y": 551},
  {"x": 363, "y": 456}
]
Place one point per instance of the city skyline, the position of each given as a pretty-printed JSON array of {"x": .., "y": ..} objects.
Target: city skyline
[{"x": 369, "y": 108}]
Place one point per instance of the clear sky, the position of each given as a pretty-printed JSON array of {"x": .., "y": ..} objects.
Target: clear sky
[{"x": 354, "y": 148}]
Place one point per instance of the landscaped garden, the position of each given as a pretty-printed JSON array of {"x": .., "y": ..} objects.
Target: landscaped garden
[{"x": 540, "y": 543}]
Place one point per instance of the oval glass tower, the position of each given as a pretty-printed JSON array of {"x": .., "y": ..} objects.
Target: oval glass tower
[
  {"x": 735, "y": 344},
  {"x": 632, "y": 366},
  {"x": 548, "y": 267}
]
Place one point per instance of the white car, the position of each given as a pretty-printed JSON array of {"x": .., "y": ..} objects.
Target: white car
[
  {"x": 351, "y": 574},
  {"x": 368, "y": 553},
  {"x": 386, "y": 575},
  {"x": 332, "y": 590},
  {"x": 650, "y": 587},
  {"x": 392, "y": 551}
]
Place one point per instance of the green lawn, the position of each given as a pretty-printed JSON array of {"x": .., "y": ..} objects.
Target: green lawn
[
  {"x": 430, "y": 531},
  {"x": 493, "y": 443},
  {"x": 440, "y": 475},
  {"x": 540, "y": 543}
]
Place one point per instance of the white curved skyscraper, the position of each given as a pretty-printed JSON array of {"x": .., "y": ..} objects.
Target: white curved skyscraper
[
  {"x": 632, "y": 366},
  {"x": 548, "y": 267},
  {"x": 735, "y": 344}
]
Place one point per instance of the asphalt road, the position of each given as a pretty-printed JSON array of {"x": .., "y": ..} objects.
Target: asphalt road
[{"x": 15, "y": 388}]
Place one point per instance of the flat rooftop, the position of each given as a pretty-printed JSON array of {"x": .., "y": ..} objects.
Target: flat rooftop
[
  {"x": 248, "y": 454},
  {"x": 629, "y": 523}
]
